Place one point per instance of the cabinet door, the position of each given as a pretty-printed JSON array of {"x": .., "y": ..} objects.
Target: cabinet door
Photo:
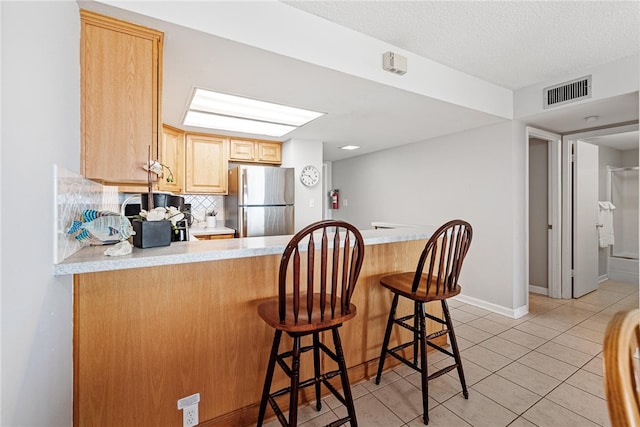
[
  {"x": 172, "y": 156},
  {"x": 206, "y": 164},
  {"x": 270, "y": 152},
  {"x": 242, "y": 150},
  {"x": 120, "y": 83}
]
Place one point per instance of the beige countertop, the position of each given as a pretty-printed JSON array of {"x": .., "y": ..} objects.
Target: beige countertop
[{"x": 92, "y": 259}]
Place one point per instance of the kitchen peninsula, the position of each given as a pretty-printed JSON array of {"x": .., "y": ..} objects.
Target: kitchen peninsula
[{"x": 164, "y": 323}]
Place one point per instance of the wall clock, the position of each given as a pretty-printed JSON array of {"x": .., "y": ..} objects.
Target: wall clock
[{"x": 309, "y": 176}]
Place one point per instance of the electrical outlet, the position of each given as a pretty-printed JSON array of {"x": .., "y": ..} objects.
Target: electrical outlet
[
  {"x": 189, "y": 407},
  {"x": 190, "y": 416}
]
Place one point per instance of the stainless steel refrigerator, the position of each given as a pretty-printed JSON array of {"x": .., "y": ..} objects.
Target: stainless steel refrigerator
[{"x": 260, "y": 201}]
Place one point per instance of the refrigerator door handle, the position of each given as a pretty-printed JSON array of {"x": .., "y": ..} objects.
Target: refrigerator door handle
[
  {"x": 245, "y": 187},
  {"x": 244, "y": 222}
]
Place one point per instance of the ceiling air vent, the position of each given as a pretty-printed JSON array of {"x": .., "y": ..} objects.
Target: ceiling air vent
[{"x": 567, "y": 92}]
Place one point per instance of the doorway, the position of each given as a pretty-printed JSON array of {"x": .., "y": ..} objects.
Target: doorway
[
  {"x": 543, "y": 216},
  {"x": 581, "y": 252}
]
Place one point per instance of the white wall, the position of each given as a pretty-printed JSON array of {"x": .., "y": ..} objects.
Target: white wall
[
  {"x": 476, "y": 175},
  {"x": 40, "y": 127},
  {"x": 611, "y": 79},
  {"x": 629, "y": 158},
  {"x": 297, "y": 153},
  {"x": 607, "y": 156}
]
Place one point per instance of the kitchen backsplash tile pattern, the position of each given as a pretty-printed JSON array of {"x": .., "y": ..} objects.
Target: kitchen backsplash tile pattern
[
  {"x": 73, "y": 194},
  {"x": 201, "y": 204}
]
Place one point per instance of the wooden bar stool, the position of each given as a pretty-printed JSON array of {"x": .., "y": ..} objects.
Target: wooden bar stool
[
  {"x": 314, "y": 298},
  {"x": 442, "y": 258},
  {"x": 621, "y": 368}
]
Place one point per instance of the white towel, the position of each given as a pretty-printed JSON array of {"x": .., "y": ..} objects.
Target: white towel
[{"x": 605, "y": 226}]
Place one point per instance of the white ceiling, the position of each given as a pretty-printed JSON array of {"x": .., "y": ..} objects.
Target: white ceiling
[
  {"x": 620, "y": 141},
  {"x": 512, "y": 44}
]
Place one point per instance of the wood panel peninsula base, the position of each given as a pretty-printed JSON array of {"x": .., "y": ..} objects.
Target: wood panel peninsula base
[{"x": 146, "y": 337}]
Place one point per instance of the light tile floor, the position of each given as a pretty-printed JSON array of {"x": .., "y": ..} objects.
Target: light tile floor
[{"x": 544, "y": 369}]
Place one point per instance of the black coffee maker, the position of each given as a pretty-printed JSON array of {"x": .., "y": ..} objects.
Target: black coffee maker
[
  {"x": 162, "y": 200},
  {"x": 180, "y": 232}
]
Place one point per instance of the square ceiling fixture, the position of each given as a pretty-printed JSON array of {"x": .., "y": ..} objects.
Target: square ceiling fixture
[{"x": 217, "y": 110}]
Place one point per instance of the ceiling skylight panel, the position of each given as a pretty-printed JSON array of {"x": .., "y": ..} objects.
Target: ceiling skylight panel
[
  {"x": 236, "y": 106},
  {"x": 215, "y": 121}
]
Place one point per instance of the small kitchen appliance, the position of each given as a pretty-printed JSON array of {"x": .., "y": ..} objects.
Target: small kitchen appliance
[{"x": 260, "y": 201}]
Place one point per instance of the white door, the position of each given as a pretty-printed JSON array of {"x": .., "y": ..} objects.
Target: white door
[{"x": 585, "y": 219}]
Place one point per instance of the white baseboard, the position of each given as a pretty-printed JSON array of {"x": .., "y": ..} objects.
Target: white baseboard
[
  {"x": 539, "y": 290},
  {"x": 623, "y": 270},
  {"x": 603, "y": 278},
  {"x": 513, "y": 313},
  {"x": 622, "y": 276}
]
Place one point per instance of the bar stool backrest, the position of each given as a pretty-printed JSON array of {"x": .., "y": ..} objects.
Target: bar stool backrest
[
  {"x": 329, "y": 270},
  {"x": 621, "y": 366},
  {"x": 441, "y": 260}
]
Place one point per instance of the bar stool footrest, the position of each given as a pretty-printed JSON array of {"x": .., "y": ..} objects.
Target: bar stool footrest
[
  {"x": 393, "y": 353},
  {"x": 339, "y": 422},
  {"x": 441, "y": 372},
  {"x": 441, "y": 349},
  {"x": 277, "y": 411}
]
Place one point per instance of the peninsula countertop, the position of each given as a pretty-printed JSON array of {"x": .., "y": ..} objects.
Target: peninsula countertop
[{"x": 92, "y": 259}]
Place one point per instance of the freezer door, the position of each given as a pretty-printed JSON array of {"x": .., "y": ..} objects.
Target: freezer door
[
  {"x": 260, "y": 185},
  {"x": 265, "y": 221}
]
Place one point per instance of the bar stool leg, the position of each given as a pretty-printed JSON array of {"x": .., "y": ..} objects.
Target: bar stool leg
[
  {"x": 454, "y": 347},
  {"x": 344, "y": 376},
  {"x": 417, "y": 306},
  {"x": 269, "y": 376},
  {"x": 422, "y": 335},
  {"x": 387, "y": 336},
  {"x": 316, "y": 368},
  {"x": 295, "y": 382}
]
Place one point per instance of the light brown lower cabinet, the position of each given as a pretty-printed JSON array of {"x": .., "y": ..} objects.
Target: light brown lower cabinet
[
  {"x": 214, "y": 236},
  {"x": 144, "y": 338}
]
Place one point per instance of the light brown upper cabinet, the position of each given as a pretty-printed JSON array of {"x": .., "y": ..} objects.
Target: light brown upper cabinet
[
  {"x": 255, "y": 151},
  {"x": 206, "y": 164},
  {"x": 172, "y": 157},
  {"x": 120, "y": 99}
]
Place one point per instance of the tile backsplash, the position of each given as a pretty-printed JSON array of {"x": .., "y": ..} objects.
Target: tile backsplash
[
  {"x": 73, "y": 194},
  {"x": 201, "y": 204}
]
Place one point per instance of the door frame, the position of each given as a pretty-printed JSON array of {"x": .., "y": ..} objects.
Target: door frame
[
  {"x": 554, "y": 209},
  {"x": 326, "y": 187},
  {"x": 567, "y": 191}
]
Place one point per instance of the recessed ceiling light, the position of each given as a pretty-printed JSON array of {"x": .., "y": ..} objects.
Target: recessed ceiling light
[
  {"x": 235, "y": 113},
  {"x": 350, "y": 147},
  {"x": 591, "y": 119}
]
